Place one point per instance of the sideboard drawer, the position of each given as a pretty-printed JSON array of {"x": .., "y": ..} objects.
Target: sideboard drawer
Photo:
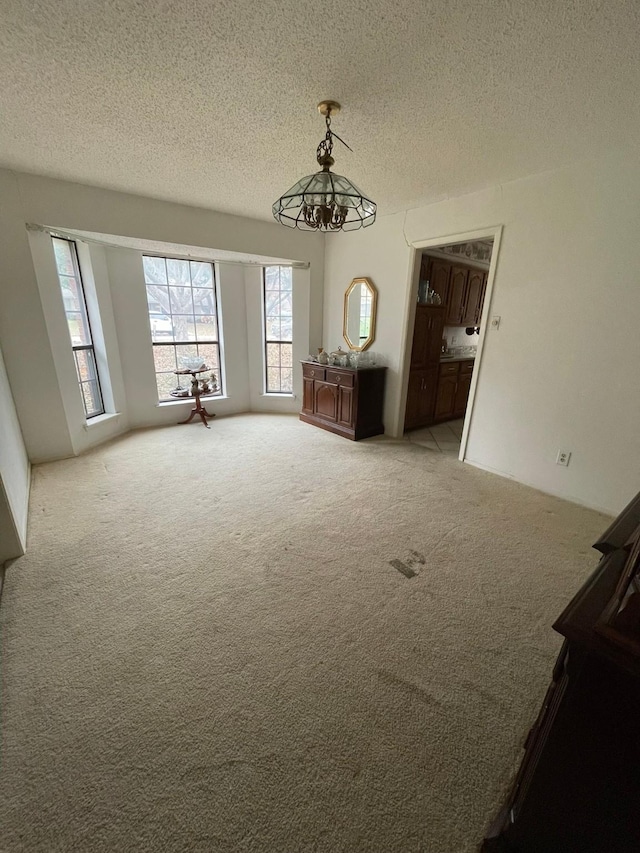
[
  {"x": 312, "y": 372},
  {"x": 340, "y": 378}
]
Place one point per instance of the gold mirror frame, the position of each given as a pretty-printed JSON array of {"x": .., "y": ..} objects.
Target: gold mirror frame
[{"x": 374, "y": 305}]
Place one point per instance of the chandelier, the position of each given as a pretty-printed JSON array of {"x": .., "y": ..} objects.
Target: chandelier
[{"x": 325, "y": 201}]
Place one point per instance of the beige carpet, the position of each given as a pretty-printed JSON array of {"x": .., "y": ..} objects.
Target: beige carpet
[{"x": 207, "y": 648}]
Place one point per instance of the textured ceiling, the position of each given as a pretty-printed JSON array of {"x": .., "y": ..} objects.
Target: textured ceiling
[{"x": 213, "y": 103}]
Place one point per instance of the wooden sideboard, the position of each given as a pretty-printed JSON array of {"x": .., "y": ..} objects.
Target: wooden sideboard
[
  {"x": 344, "y": 400},
  {"x": 578, "y": 788}
]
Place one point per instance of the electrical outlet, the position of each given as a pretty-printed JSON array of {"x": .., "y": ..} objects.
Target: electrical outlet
[
  {"x": 495, "y": 322},
  {"x": 563, "y": 458}
]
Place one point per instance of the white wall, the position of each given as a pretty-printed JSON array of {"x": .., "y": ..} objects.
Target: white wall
[
  {"x": 568, "y": 272},
  {"x": 31, "y": 319},
  {"x": 14, "y": 476}
]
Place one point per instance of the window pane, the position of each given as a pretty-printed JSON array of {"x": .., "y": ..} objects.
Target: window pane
[
  {"x": 204, "y": 301},
  {"x": 158, "y": 299},
  {"x": 181, "y": 300},
  {"x": 161, "y": 327},
  {"x": 178, "y": 272},
  {"x": 84, "y": 365},
  {"x": 209, "y": 353},
  {"x": 286, "y": 355},
  {"x": 273, "y": 328},
  {"x": 201, "y": 274},
  {"x": 184, "y": 327},
  {"x": 155, "y": 270},
  {"x": 286, "y": 278},
  {"x": 286, "y": 329},
  {"x": 64, "y": 258},
  {"x": 90, "y": 398},
  {"x": 286, "y": 380},
  {"x": 184, "y": 351},
  {"x": 272, "y": 278},
  {"x": 206, "y": 328},
  {"x": 273, "y": 355},
  {"x": 273, "y": 379},
  {"x": 166, "y": 382},
  {"x": 165, "y": 358}
]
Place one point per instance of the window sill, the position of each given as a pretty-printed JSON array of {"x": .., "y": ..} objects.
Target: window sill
[
  {"x": 205, "y": 401},
  {"x": 278, "y": 394},
  {"x": 101, "y": 419}
]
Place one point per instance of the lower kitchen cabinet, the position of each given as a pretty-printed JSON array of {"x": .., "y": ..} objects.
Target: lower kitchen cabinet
[
  {"x": 421, "y": 397},
  {"x": 454, "y": 382},
  {"x": 445, "y": 401},
  {"x": 343, "y": 400}
]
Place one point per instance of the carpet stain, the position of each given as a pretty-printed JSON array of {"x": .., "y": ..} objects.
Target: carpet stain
[{"x": 411, "y": 565}]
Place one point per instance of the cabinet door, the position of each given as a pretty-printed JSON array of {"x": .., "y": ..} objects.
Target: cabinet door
[
  {"x": 473, "y": 299},
  {"x": 445, "y": 401},
  {"x": 345, "y": 406},
  {"x": 428, "y": 396},
  {"x": 457, "y": 295},
  {"x": 421, "y": 395},
  {"x": 420, "y": 337},
  {"x": 414, "y": 390},
  {"x": 325, "y": 400},
  {"x": 307, "y": 395},
  {"x": 438, "y": 276},
  {"x": 462, "y": 394},
  {"x": 434, "y": 339},
  {"x": 427, "y": 336}
]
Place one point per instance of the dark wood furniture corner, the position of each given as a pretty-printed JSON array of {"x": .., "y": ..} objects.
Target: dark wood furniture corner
[
  {"x": 343, "y": 400},
  {"x": 578, "y": 787}
]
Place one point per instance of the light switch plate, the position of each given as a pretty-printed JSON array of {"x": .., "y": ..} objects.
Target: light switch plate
[{"x": 495, "y": 322}]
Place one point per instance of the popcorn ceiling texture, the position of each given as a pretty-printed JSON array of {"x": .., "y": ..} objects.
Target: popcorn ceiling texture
[
  {"x": 213, "y": 104},
  {"x": 212, "y": 644}
]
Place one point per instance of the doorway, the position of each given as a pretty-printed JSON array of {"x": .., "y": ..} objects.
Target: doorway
[{"x": 450, "y": 307}]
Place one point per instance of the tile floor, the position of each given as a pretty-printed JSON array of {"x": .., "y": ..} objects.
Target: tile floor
[{"x": 441, "y": 438}]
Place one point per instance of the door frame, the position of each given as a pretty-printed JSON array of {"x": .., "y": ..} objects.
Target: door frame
[{"x": 417, "y": 246}]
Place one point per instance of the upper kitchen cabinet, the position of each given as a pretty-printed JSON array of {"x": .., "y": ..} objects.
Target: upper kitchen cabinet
[
  {"x": 456, "y": 306},
  {"x": 437, "y": 273},
  {"x": 474, "y": 297},
  {"x": 461, "y": 289}
]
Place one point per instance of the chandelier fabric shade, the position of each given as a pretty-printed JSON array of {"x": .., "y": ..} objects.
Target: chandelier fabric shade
[{"x": 325, "y": 201}]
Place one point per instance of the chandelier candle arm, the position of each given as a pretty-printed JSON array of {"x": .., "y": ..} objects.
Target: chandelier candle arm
[{"x": 325, "y": 201}]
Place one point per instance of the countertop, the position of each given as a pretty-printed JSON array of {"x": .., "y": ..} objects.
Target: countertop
[{"x": 447, "y": 359}]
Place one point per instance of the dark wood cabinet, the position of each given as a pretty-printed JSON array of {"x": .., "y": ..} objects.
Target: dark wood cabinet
[
  {"x": 578, "y": 788},
  {"x": 425, "y": 356},
  {"x": 445, "y": 401},
  {"x": 461, "y": 289},
  {"x": 437, "y": 273},
  {"x": 421, "y": 398},
  {"x": 457, "y": 295},
  {"x": 343, "y": 400},
  {"x": 454, "y": 382},
  {"x": 427, "y": 336},
  {"x": 462, "y": 394},
  {"x": 474, "y": 296}
]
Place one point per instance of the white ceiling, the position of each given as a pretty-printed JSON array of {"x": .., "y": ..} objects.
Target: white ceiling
[{"x": 213, "y": 103}]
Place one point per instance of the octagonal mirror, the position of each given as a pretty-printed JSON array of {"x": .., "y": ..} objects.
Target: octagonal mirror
[{"x": 360, "y": 303}]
